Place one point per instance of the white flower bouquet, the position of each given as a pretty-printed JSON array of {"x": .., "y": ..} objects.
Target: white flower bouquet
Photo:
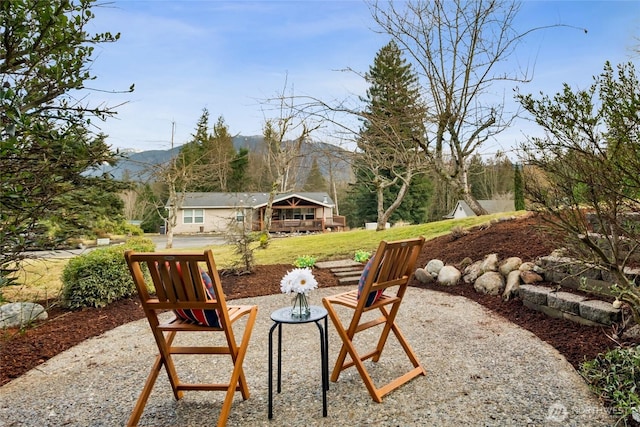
[{"x": 299, "y": 282}]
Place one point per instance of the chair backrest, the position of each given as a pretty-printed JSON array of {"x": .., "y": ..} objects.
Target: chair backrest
[
  {"x": 392, "y": 265},
  {"x": 177, "y": 280}
]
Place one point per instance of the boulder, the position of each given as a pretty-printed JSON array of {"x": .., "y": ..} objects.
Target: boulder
[
  {"x": 490, "y": 263},
  {"x": 423, "y": 276},
  {"x": 20, "y": 314},
  {"x": 472, "y": 272},
  {"x": 510, "y": 264},
  {"x": 527, "y": 266},
  {"x": 530, "y": 277},
  {"x": 449, "y": 275},
  {"x": 434, "y": 266},
  {"x": 513, "y": 285},
  {"x": 490, "y": 283}
]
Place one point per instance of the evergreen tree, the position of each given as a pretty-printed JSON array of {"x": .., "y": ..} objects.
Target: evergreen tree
[
  {"x": 315, "y": 180},
  {"x": 240, "y": 180},
  {"x": 389, "y": 163},
  {"x": 518, "y": 188}
]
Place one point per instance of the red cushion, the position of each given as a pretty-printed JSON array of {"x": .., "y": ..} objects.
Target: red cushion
[
  {"x": 373, "y": 295},
  {"x": 198, "y": 315}
]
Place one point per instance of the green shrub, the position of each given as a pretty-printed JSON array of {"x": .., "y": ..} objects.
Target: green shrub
[
  {"x": 615, "y": 378},
  {"x": 101, "y": 276},
  {"x": 362, "y": 256},
  {"x": 305, "y": 261}
]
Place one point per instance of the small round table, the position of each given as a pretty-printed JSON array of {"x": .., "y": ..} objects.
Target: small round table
[{"x": 283, "y": 315}]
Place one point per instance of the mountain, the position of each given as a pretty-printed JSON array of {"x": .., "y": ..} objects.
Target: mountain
[{"x": 139, "y": 166}]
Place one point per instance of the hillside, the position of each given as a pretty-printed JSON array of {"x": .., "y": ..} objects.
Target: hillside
[{"x": 138, "y": 166}]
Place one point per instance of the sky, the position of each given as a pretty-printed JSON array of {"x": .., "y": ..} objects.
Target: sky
[{"x": 231, "y": 57}]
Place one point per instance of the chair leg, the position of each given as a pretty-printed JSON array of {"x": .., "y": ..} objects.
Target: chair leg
[
  {"x": 237, "y": 379},
  {"x": 356, "y": 359},
  {"x": 389, "y": 324},
  {"x": 407, "y": 348},
  {"x": 164, "y": 343},
  {"x": 146, "y": 391}
]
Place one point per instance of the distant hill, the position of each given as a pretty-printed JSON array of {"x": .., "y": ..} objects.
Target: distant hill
[{"x": 138, "y": 166}]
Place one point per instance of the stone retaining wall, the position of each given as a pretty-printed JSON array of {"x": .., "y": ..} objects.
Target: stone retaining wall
[{"x": 577, "y": 308}]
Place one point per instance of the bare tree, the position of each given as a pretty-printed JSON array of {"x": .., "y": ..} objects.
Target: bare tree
[
  {"x": 457, "y": 48},
  {"x": 284, "y": 137}
]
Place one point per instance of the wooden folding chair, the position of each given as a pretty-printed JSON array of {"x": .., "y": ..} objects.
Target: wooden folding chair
[
  {"x": 189, "y": 284},
  {"x": 388, "y": 270}
]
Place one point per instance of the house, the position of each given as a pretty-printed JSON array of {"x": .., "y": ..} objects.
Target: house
[
  {"x": 462, "y": 209},
  {"x": 292, "y": 212}
]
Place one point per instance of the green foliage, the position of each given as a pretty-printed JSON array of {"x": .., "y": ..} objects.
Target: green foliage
[
  {"x": 47, "y": 144},
  {"x": 389, "y": 169},
  {"x": 239, "y": 180},
  {"x": 101, "y": 277},
  {"x": 518, "y": 188},
  {"x": 315, "y": 181},
  {"x": 264, "y": 240},
  {"x": 362, "y": 255},
  {"x": 584, "y": 172},
  {"x": 243, "y": 241},
  {"x": 305, "y": 261},
  {"x": 615, "y": 378}
]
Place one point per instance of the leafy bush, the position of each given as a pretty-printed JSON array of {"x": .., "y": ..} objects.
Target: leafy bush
[
  {"x": 305, "y": 261},
  {"x": 362, "y": 256},
  {"x": 101, "y": 276},
  {"x": 615, "y": 378}
]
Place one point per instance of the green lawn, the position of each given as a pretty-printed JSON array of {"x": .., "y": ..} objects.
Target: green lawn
[
  {"x": 341, "y": 245},
  {"x": 40, "y": 279}
]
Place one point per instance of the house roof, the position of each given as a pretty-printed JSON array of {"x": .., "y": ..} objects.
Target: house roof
[
  {"x": 491, "y": 206},
  {"x": 249, "y": 200}
]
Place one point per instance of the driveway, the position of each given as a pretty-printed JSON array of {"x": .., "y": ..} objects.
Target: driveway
[
  {"x": 179, "y": 242},
  {"x": 188, "y": 241}
]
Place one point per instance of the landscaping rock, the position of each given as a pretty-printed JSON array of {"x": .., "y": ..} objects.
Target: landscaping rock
[
  {"x": 423, "y": 276},
  {"x": 513, "y": 283},
  {"x": 472, "y": 272},
  {"x": 529, "y": 277},
  {"x": 510, "y": 264},
  {"x": 449, "y": 275},
  {"x": 565, "y": 301},
  {"x": 434, "y": 266},
  {"x": 535, "y": 294},
  {"x": 600, "y": 312},
  {"x": 20, "y": 314},
  {"x": 490, "y": 283},
  {"x": 527, "y": 266},
  {"x": 490, "y": 263}
]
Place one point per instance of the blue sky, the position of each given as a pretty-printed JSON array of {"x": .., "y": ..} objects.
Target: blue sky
[{"x": 229, "y": 57}]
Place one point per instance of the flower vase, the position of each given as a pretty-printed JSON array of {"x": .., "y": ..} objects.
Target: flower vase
[{"x": 300, "y": 307}]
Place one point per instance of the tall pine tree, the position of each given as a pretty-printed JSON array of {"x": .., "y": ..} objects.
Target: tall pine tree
[{"x": 389, "y": 164}]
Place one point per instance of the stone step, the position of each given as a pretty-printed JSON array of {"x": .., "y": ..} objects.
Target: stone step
[
  {"x": 347, "y": 273},
  {"x": 337, "y": 263},
  {"x": 347, "y": 269},
  {"x": 349, "y": 280}
]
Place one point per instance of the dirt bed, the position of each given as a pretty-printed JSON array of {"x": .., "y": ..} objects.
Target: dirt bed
[{"x": 22, "y": 351}]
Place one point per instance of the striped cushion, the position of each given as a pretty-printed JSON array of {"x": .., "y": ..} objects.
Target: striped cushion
[
  {"x": 373, "y": 295},
  {"x": 199, "y": 315}
]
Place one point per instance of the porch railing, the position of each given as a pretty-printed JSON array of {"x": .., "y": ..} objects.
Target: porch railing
[{"x": 334, "y": 223}]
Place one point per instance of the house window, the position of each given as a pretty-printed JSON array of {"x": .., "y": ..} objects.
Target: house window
[
  {"x": 239, "y": 217},
  {"x": 193, "y": 216}
]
